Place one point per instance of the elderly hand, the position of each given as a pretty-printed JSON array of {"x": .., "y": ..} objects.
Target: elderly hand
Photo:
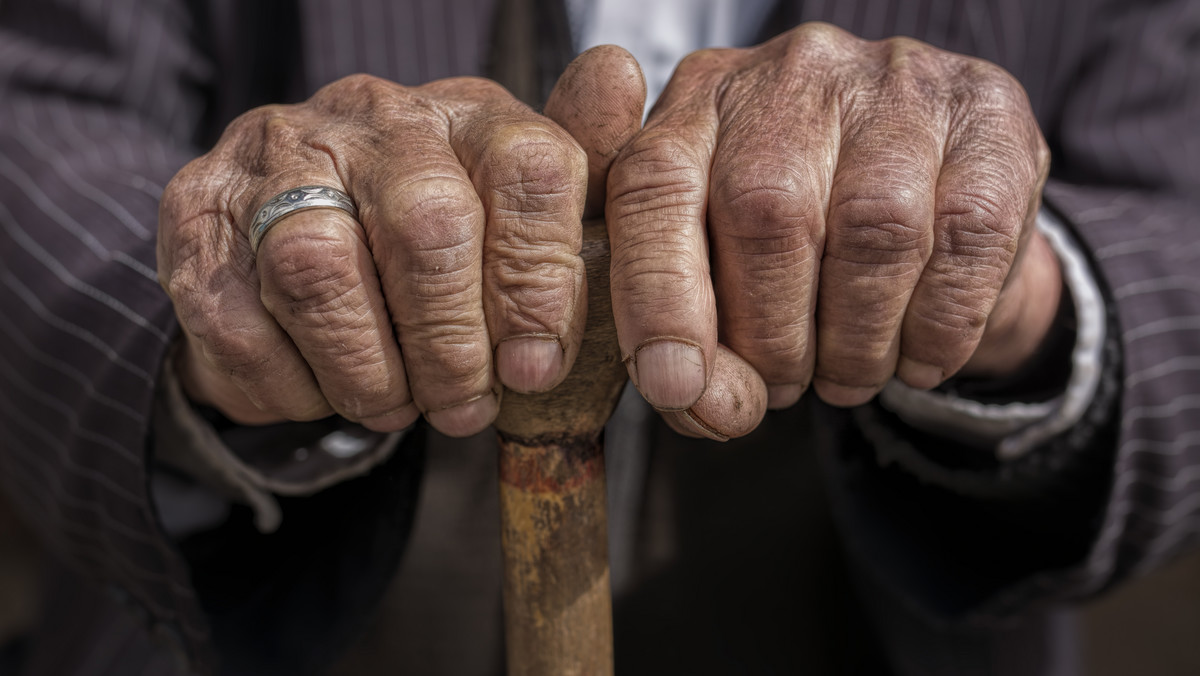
[
  {"x": 461, "y": 274},
  {"x": 835, "y": 211}
]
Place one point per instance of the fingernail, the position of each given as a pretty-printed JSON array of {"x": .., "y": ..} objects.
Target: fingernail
[
  {"x": 690, "y": 423},
  {"x": 670, "y": 374},
  {"x": 783, "y": 396},
  {"x": 918, "y": 374},
  {"x": 467, "y": 418},
  {"x": 843, "y": 395},
  {"x": 529, "y": 363}
]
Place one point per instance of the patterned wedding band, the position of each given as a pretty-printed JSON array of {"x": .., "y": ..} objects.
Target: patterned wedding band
[{"x": 297, "y": 199}]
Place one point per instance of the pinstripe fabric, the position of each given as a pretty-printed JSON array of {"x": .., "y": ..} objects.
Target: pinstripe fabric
[
  {"x": 84, "y": 324},
  {"x": 408, "y": 42},
  {"x": 101, "y": 101}
]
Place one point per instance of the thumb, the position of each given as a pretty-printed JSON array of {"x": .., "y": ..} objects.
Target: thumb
[{"x": 599, "y": 100}]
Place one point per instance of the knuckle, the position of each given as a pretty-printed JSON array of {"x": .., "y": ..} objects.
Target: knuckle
[
  {"x": 781, "y": 262},
  {"x": 981, "y": 224},
  {"x": 520, "y": 265},
  {"x": 767, "y": 211},
  {"x": 655, "y": 172},
  {"x": 438, "y": 235},
  {"x": 367, "y": 92},
  {"x": 1041, "y": 154},
  {"x": 763, "y": 189},
  {"x": 882, "y": 226},
  {"x": 356, "y": 82},
  {"x": 535, "y": 296},
  {"x": 961, "y": 287},
  {"x": 529, "y": 249},
  {"x": 202, "y": 288},
  {"x": 485, "y": 87},
  {"x": 954, "y": 310},
  {"x": 778, "y": 352},
  {"x": 663, "y": 290},
  {"x": 179, "y": 196},
  {"x": 903, "y": 46},
  {"x": 856, "y": 361},
  {"x": 532, "y": 310},
  {"x": 820, "y": 46},
  {"x": 823, "y": 35},
  {"x": 654, "y": 254},
  {"x": 196, "y": 190},
  {"x": 456, "y": 357},
  {"x": 983, "y": 85},
  {"x": 260, "y": 127},
  {"x": 909, "y": 56},
  {"x": 533, "y": 168},
  {"x": 469, "y": 90},
  {"x": 372, "y": 397},
  {"x": 913, "y": 73},
  {"x": 701, "y": 61},
  {"x": 177, "y": 250},
  {"x": 239, "y": 352},
  {"x": 181, "y": 277},
  {"x": 430, "y": 205}
]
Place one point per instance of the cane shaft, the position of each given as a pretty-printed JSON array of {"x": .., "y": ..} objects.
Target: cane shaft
[{"x": 557, "y": 604}]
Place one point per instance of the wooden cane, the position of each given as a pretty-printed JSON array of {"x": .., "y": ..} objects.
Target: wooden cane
[{"x": 557, "y": 607}]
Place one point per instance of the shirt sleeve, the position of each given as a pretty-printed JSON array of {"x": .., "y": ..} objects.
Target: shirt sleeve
[
  {"x": 250, "y": 465},
  {"x": 1012, "y": 425}
]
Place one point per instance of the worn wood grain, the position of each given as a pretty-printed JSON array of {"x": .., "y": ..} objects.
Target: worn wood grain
[{"x": 557, "y": 600}]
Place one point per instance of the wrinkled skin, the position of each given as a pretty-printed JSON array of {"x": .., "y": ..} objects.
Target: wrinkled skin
[
  {"x": 468, "y": 247},
  {"x": 818, "y": 210},
  {"x": 835, "y": 211}
]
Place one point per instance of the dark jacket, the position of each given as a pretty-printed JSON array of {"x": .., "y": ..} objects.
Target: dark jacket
[{"x": 100, "y": 104}]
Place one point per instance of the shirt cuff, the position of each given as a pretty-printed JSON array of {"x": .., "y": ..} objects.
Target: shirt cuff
[
  {"x": 1011, "y": 430},
  {"x": 251, "y": 464}
]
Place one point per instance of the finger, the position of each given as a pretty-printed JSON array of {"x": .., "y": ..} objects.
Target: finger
[
  {"x": 663, "y": 302},
  {"x": 987, "y": 197},
  {"x": 878, "y": 238},
  {"x": 315, "y": 277},
  {"x": 425, "y": 225},
  {"x": 319, "y": 282},
  {"x": 315, "y": 272},
  {"x": 770, "y": 184},
  {"x": 238, "y": 358},
  {"x": 531, "y": 178},
  {"x": 599, "y": 101},
  {"x": 1023, "y": 315},
  {"x": 205, "y": 386},
  {"x": 732, "y": 406}
]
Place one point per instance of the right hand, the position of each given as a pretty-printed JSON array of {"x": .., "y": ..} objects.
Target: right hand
[{"x": 463, "y": 273}]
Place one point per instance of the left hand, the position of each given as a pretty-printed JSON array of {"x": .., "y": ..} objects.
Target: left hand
[{"x": 866, "y": 209}]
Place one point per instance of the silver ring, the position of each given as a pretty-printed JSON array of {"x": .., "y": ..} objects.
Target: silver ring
[{"x": 289, "y": 202}]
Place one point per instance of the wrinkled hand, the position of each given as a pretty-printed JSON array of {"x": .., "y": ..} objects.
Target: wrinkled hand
[
  {"x": 463, "y": 273},
  {"x": 836, "y": 212}
]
